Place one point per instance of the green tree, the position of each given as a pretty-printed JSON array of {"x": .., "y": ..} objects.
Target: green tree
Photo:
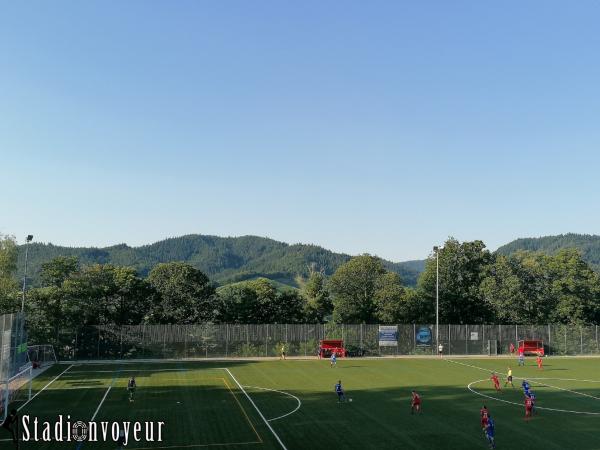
[
  {"x": 575, "y": 288},
  {"x": 462, "y": 268},
  {"x": 518, "y": 288},
  {"x": 186, "y": 294},
  {"x": 354, "y": 286},
  {"x": 289, "y": 307},
  {"x": 45, "y": 305},
  {"x": 502, "y": 289},
  {"x": 56, "y": 271},
  {"x": 238, "y": 304},
  {"x": 9, "y": 301},
  {"x": 258, "y": 301},
  {"x": 318, "y": 305},
  {"x": 106, "y": 294},
  {"x": 389, "y": 298}
]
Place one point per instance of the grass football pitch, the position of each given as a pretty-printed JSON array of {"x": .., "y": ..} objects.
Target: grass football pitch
[{"x": 291, "y": 404}]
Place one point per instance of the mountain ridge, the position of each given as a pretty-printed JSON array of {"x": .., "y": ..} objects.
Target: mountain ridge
[
  {"x": 223, "y": 259},
  {"x": 587, "y": 244},
  {"x": 232, "y": 259}
]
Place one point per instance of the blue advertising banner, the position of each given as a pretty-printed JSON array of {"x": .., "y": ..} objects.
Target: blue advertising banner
[
  {"x": 388, "y": 335},
  {"x": 423, "y": 337}
]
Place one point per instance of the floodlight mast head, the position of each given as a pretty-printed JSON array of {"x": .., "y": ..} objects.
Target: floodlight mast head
[{"x": 29, "y": 237}]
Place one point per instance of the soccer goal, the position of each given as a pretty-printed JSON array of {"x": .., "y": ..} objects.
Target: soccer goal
[
  {"x": 16, "y": 390},
  {"x": 41, "y": 355}
]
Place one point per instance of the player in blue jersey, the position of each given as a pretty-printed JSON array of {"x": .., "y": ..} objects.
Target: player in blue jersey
[
  {"x": 490, "y": 431},
  {"x": 339, "y": 390},
  {"x": 526, "y": 387},
  {"x": 333, "y": 360}
]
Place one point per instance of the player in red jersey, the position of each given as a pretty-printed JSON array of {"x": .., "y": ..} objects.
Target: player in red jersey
[
  {"x": 528, "y": 407},
  {"x": 484, "y": 418},
  {"x": 496, "y": 381},
  {"x": 415, "y": 404},
  {"x": 540, "y": 362}
]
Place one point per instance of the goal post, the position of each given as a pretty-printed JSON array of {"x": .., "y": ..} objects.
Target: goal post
[
  {"x": 15, "y": 391},
  {"x": 41, "y": 355}
]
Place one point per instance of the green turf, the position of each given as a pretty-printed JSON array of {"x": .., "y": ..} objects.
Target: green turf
[{"x": 201, "y": 404}]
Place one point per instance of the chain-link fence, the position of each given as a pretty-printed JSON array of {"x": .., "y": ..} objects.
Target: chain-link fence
[
  {"x": 13, "y": 344},
  {"x": 227, "y": 340}
]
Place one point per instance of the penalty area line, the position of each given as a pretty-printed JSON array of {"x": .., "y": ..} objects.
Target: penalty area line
[
  {"x": 279, "y": 392},
  {"x": 256, "y": 408},
  {"x": 583, "y": 394},
  {"x": 520, "y": 404}
]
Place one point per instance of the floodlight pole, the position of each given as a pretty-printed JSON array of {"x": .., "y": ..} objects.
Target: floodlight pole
[
  {"x": 436, "y": 249},
  {"x": 27, "y": 241}
]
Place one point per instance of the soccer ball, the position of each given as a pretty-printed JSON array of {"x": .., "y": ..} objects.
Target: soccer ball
[{"x": 349, "y": 399}]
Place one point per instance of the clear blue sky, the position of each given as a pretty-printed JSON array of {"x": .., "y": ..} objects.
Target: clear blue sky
[{"x": 379, "y": 127}]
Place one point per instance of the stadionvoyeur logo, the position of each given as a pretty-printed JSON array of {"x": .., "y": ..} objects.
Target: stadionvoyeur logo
[{"x": 67, "y": 430}]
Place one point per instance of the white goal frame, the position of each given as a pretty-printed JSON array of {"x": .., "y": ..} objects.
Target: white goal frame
[
  {"x": 47, "y": 350},
  {"x": 11, "y": 387}
]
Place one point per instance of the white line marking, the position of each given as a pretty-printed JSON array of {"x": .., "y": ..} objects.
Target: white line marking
[
  {"x": 536, "y": 378},
  {"x": 194, "y": 445},
  {"x": 563, "y": 379},
  {"x": 44, "y": 388},
  {"x": 280, "y": 392},
  {"x": 256, "y": 408},
  {"x": 101, "y": 402},
  {"x": 130, "y": 370},
  {"x": 519, "y": 404}
]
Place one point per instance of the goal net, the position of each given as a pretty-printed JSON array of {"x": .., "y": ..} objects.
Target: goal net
[
  {"x": 15, "y": 391},
  {"x": 41, "y": 355}
]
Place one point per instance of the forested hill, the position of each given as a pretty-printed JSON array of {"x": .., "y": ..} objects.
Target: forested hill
[
  {"x": 224, "y": 260},
  {"x": 587, "y": 244}
]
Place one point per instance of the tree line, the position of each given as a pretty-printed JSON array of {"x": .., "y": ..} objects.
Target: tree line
[{"x": 475, "y": 285}]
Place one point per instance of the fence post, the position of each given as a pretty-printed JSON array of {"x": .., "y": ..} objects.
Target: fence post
[
  {"x": 143, "y": 341},
  {"x": 516, "y": 334},
  {"x": 361, "y": 337},
  {"x": 267, "y": 342},
  {"x": 500, "y": 336},
  {"x": 581, "y": 337},
  {"x": 566, "y": 340},
  {"x": 549, "y": 337},
  {"x": 305, "y": 340},
  {"x": 226, "y": 340},
  {"x": 596, "y": 337},
  {"x": 466, "y": 339},
  {"x": 185, "y": 344},
  {"x": 449, "y": 345},
  {"x": 414, "y": 337}
]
